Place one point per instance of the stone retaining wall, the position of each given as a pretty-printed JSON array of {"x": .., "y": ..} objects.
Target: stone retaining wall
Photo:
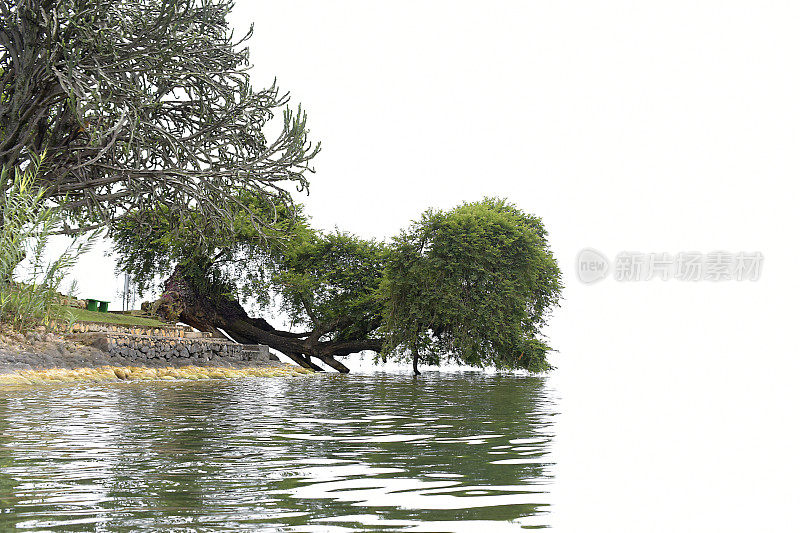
[
  {"x": 159, "y": 345},
  {"x": 153, "y": 347},
  {"x": 148, "y": 349}
]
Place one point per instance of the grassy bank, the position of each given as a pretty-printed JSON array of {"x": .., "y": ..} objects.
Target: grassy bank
[{"x": 107, "y": 318}]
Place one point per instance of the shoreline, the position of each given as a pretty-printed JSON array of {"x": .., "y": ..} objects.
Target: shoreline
[
  {"x": 41, "y": 357},
  {"x": 139, "y": 374}
]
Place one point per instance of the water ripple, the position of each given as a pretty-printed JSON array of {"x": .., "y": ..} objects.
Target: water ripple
[{"x": 444, "y": 452}]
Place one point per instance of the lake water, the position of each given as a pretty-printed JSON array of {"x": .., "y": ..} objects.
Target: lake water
[{"x": 441, "y": 452}]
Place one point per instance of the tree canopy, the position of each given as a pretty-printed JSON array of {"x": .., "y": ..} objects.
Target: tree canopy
[
  {"x": 330, "y": 282},
  {"x": 141, "y": 104},
  {"x": 471, "y": 285}
]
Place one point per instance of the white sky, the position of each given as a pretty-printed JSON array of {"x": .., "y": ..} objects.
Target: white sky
[{"x": 627, "y": 126}]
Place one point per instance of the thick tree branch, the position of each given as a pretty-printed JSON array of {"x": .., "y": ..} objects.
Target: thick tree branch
[{"x": 181, "y": 301}]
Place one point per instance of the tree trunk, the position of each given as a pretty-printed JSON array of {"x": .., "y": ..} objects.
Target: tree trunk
[{"x": 182, "y": 302}]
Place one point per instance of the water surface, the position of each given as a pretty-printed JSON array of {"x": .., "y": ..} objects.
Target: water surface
[{"x": 442, "y": 452}]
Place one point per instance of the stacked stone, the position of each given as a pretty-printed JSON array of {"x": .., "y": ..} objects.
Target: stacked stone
[{"x": 147, "y": 348}]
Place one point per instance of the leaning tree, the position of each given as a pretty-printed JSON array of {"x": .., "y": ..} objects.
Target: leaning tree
[
  {"x": 471, "y": 285},
  {"x": 326, "y": 284},
  {"x": 139, "y": 104}
]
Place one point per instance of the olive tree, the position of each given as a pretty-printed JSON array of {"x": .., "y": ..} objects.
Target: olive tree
[{"x": 142, "y": 103}]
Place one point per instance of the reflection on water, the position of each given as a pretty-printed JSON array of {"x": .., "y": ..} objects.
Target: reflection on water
[{"x": 442, "y": 452}]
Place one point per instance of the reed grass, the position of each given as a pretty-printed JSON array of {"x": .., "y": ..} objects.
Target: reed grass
[{"x": 27, "y": 221}]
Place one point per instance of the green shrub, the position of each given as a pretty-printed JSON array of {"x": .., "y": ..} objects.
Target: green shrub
[{"x": 26, "y": 223}]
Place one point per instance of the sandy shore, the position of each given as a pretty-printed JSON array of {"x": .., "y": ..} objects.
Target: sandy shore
[{"x": 47, "y": 357}]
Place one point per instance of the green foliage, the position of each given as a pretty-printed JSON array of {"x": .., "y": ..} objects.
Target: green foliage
[
  {"x": 472, "y": 285},
  {"x": 150, "y": 242},
  {"x": 323, "y": 280},
  {"x": 27, "y": 222},
  {"x": 330, "y": 281}
]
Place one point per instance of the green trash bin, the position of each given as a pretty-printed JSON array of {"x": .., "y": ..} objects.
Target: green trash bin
[
  {"x": 91, "y": 304},
  {"x": 103, "y": 306}
]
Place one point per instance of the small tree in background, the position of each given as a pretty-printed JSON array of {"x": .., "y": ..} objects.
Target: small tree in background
[{"x": 472, "y": 285}]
